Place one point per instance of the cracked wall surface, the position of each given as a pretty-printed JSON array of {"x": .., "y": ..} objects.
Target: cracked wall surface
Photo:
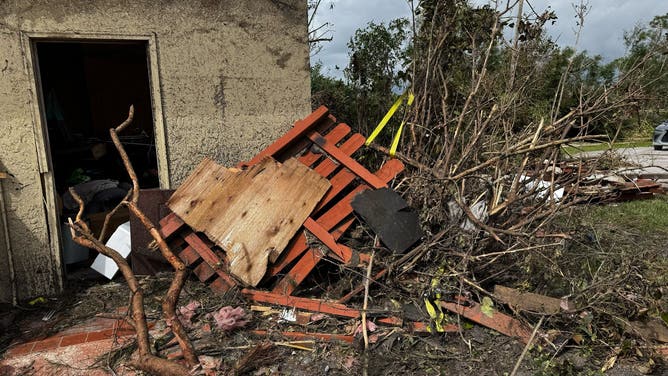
[{"x": 233, "y": 76}]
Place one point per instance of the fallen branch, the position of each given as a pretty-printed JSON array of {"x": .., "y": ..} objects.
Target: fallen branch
[
  {"x": 145, "y": 361},
  {"x": 81, "y": 234}
]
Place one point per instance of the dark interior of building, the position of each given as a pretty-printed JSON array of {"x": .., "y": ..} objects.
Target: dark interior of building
[{"x": 87, "y": 88}]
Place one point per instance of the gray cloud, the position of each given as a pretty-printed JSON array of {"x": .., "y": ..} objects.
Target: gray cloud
[
  {"x": 602, "y": 34},
  {"x": 346, "y": 16},
  {"x": 604, "y": 25}
]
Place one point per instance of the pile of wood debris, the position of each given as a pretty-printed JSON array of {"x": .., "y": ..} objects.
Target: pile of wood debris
[
  {"x": 303, "y": 233},
  {"x": 263, "y": 227}
]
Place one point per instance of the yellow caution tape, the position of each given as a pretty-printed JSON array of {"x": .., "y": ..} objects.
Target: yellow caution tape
[
  {"x": 436, "y": 314},
  {"x": 432, "y": 303},
  {"x": 386, "y": 119},
  {"x": 39, "y": 300}
]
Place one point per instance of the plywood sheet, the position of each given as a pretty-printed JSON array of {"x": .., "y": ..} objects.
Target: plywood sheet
[{"x": 249, "y": 213}]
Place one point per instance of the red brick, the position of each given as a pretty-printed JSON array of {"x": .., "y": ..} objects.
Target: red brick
[
  {"x": 22, "y": 349},
  {"x": 100, "y": 335},
  {"x": 47, "y": 344},
  {"x": 124, "y": 332},
  {"x": 73, "y": 339}
]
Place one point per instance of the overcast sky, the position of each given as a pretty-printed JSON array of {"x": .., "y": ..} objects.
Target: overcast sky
[{"x": 602, "y": 34}]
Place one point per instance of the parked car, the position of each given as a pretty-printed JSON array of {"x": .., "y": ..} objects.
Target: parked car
[{"x": 660, "y": 136}]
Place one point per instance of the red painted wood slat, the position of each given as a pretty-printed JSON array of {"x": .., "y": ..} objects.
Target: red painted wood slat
[
  {"x": 189, "y": 256},
  {"x": 347, "y": 161},
  {"x": 169, "y": 225},
  {"x": 335, "y": 136},
  {"x": 300, "y": 128},
  {"x": 209, "y": 257}
]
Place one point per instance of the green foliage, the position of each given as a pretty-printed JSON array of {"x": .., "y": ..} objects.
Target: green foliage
[
  {"x": 377, "y": 54},
  {"x": 333, "y": 93},
  {"x": 452, "y": 36},
  {"x": 646, "y": 62}
]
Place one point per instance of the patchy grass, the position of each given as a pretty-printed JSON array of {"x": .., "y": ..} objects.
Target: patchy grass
[
  {"x": 644, "y": 216},
  {"x": 613, "y": 266},
  {"x": 598, "y": 146}
]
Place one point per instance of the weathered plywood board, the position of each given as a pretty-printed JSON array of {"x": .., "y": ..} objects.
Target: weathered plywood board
[{"x": 249, "y": 213}]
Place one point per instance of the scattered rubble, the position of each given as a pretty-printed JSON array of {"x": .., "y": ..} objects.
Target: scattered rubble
[{"x": 275, "y": 233}]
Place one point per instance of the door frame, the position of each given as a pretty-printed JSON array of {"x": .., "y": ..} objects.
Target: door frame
[{"x": 29, "y": 52}]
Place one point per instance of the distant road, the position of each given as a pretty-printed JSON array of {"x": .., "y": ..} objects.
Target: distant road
[{"x": 654, "y": 163}]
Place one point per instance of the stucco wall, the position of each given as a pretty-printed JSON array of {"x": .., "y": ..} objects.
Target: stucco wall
[{"x": 233, "y": 75}]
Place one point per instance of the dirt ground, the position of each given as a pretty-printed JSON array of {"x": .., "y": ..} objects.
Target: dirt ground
[
  {"x": 623, "y": 243},
  {"x": 471, "y": 352}
]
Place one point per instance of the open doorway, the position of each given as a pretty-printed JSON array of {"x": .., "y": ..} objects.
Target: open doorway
[{"x": 86, "y": 87}]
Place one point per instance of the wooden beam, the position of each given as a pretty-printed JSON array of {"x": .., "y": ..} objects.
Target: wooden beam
[{"x": 528, "y": 301}]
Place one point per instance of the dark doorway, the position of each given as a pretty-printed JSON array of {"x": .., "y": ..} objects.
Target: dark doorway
[{"x": 87, "y": 88}]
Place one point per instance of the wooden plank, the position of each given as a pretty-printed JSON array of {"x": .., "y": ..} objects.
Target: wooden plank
[
  {"x": 528, "y": 301},
  {"x": 189, "y": 200},
  {"x": 221, "y": 285},
  {"x": 296, "y": 247},
  {"x": 300, "y": 128},
  {"x": 169, "y": 225},
  {"x": 315, "y": 305},
  {"x": 498, "y": 321},
  {"x": 204, "y": 251},
  {"x": 303, "y": 267},
  {"x": 299, "y": 272},
  {"x": 343, "y": 208},
  {"x": 327, "y": 166},
  {"x": 249, "y": 213},
  {"x": 301, "y": 246},
  {"x": 324, "y": 169},
  {"x": 343, "y": 252},
  {"x": 390, "y": 170},
  {"x": 335, "y": 136},
  {"x": 328, "y": 221},
  {"x": 338, "y": 231},
  {"x": 297, "y": 146},
  {"x": 347, "y": 161},
  {"x": 189, "y": 256},
  {"x": 340, "y": 210},
  {"x": 203, "y": 271},
  {"x": 339, "y": 182}
]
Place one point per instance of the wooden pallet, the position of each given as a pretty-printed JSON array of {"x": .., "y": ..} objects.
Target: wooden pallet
[{"x": 320, "y": 143}]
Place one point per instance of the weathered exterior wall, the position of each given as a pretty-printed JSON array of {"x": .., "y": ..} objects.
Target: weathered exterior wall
[
  {"x": 22, "y": 193},
  {"x": 233, "y": 75}
]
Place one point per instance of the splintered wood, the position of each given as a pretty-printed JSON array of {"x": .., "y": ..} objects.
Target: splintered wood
[{"x": 249, "y": 213}]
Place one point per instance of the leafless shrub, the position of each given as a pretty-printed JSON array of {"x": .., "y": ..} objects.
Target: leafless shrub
[{"x": 486, "y": 180}]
